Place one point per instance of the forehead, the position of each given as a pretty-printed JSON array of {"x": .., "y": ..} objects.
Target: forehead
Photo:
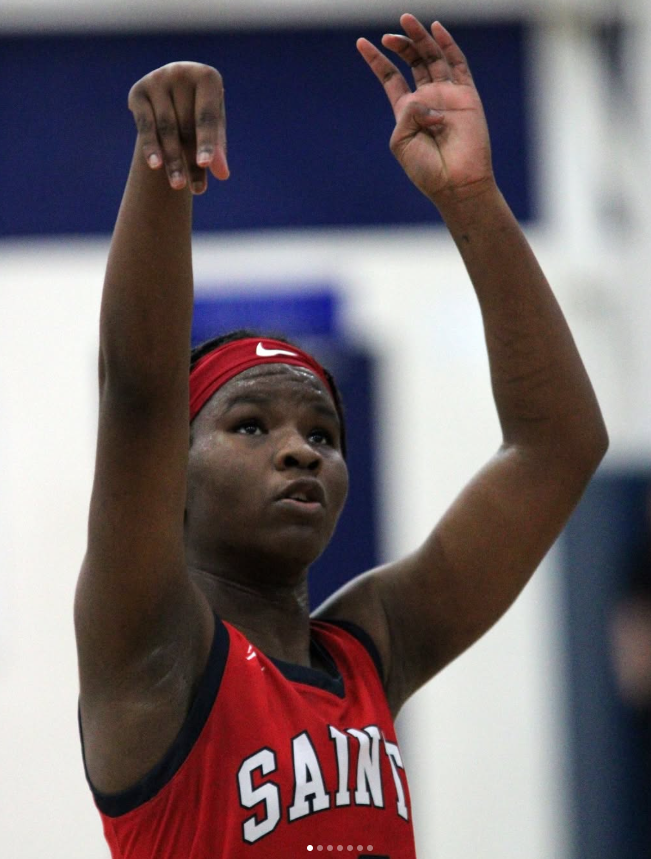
[{"x": 272, "y": 381}]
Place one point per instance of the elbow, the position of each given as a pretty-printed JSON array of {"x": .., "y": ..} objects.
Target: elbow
[
  {"x": 603, "y": 441},
  {"x": 142, "y": 384},
  {"x": 587, "y": 446},
  {"x": 572, "y": 450},
  {"x": 601, "y": 449},
  {"x": 597, "y": 438}
]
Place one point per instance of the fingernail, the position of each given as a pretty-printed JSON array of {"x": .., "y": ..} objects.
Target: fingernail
[
  {"x": 204, "y": 157},
  {"x": 197, "y": 187},
  {"x": 153, "y": 160},
  {"x": 176, "y": 178}
]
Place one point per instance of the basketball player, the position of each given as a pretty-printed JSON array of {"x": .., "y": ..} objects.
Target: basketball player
[{"x": 220, "y": 719}]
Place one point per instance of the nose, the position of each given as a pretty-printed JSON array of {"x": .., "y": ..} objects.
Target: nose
[{"x": 295, "y": 452}]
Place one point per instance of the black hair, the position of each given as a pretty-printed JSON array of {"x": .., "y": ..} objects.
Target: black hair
[{"x": 243, "y": 333}]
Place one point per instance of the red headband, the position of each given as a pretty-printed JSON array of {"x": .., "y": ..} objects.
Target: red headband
[{"x": 217, "y": 367}]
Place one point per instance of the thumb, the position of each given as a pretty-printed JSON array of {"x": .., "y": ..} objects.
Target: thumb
[{"x": 414, "y": 118}]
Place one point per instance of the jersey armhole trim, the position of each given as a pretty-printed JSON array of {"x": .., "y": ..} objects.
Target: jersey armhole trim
[
  {"x": 122, "y": 802},
  {"x": 364, "y": 639}
]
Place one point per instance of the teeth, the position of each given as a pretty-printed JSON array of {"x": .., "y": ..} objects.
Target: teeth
[{"x": 299, "y": 498}]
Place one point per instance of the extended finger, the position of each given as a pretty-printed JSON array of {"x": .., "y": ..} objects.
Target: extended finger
[
  {"x": 456, "y": 60},
  {"x": 143, "y": 114},
  {"x": 405, "y": 49},
  {"x": 210, "y": 123},
  {"x": 183, "y": 99},
  {"x": 168, "y": 132},
  {"x": 427, "y": 48},
  {"x": 395, "y": 86}
]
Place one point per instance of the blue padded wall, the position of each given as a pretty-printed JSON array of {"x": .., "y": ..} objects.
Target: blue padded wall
[{"x": 308, "y": 127}]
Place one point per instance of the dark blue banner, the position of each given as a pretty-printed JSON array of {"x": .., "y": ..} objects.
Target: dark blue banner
[{"x": 308, "y": 127}]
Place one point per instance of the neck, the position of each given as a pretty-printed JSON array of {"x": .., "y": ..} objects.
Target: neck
[{"x": 273, "y": 615}]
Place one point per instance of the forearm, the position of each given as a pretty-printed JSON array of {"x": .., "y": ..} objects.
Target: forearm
[
  {"x": 543, "y": 395},
  {"x": 147, "y": 300}
]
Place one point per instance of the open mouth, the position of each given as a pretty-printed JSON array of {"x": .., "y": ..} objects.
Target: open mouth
[
  {"x": 304, "y": 496},
  {"x": 306, "y": 492}
]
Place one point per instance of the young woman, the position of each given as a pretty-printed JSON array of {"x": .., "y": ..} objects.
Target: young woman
[{"x": 219, "y": 718}]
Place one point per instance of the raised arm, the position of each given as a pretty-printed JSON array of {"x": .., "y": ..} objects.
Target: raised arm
[
  {"x": 134, "y": 599},
  {"x": 437, "y": 602}
]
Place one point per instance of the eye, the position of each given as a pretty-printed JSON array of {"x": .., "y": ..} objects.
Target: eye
[
  {"x": 321, "y": 436},
  {"x": 250, "y": 426}
]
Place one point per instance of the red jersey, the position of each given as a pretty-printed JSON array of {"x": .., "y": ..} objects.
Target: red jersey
[{"x": 274, "y": 761}]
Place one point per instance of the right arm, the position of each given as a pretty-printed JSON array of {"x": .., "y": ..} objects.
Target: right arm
[{"x": 141, "y": 626}]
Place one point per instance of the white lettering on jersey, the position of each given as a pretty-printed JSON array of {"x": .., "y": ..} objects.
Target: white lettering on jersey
[
  {"x": 310, "y": 794},
  {"x": 368, "y": 767},
  {"x": 254, "y": 828},
  {"x": 393, "y": 753},
  {"x": 342, "y": 797}
]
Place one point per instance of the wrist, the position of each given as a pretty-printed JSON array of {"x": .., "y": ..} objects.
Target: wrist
[{"x": 464, "y": 206}]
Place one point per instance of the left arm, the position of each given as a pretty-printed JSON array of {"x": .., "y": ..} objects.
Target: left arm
[{"x": 426, "y": 609}]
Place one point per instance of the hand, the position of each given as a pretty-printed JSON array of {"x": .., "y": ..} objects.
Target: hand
[
  {"x": 441, "y": 138},
  {"x": 181, "y": 122}
]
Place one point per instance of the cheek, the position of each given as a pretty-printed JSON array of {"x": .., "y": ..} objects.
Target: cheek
[
  {"x": 340, "y": 486},
  {"x": 220, "y": 477}
]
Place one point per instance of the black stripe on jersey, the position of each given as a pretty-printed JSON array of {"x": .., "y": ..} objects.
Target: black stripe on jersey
[
  {"x": 364, "y": 638},
  {"x": 332, "y": 682}
]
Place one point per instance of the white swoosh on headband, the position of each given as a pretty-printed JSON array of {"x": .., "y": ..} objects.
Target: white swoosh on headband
[{"x": 267, "y": 353}]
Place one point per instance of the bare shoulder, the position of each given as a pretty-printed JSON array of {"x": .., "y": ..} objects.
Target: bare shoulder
[{"x": 361, "y": 602}]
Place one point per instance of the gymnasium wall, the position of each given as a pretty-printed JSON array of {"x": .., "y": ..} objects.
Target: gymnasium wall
[{"x": 487, "y": 744}]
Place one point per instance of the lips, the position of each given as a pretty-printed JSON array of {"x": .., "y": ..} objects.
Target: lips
[{"x": 306, "y": 491}]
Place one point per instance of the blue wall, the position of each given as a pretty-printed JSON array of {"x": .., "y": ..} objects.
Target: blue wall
[
  {"x": 610, "y": 755},
  {"x": 308, "y": 127}
]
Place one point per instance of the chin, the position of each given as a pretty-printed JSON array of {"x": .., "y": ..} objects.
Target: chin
[
  {"x": 297, "y": 554},
  {"x": 293, "y": 551}
]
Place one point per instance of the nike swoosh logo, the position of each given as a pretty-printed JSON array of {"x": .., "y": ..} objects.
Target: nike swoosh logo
[{"x": 267, "y": 353}]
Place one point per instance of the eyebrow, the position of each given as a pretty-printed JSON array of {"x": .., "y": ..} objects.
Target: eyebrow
[
  {"x": 326, "y": 411},
  {"x": 263, "y": 400}
]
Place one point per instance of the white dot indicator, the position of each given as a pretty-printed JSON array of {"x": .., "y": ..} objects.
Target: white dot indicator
[
  {"x": 359, "y": 847},
  {"x": 369, "y": 848},
  {"x": 339, "y": 847},
  {"x": 309, "y": 847}
]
